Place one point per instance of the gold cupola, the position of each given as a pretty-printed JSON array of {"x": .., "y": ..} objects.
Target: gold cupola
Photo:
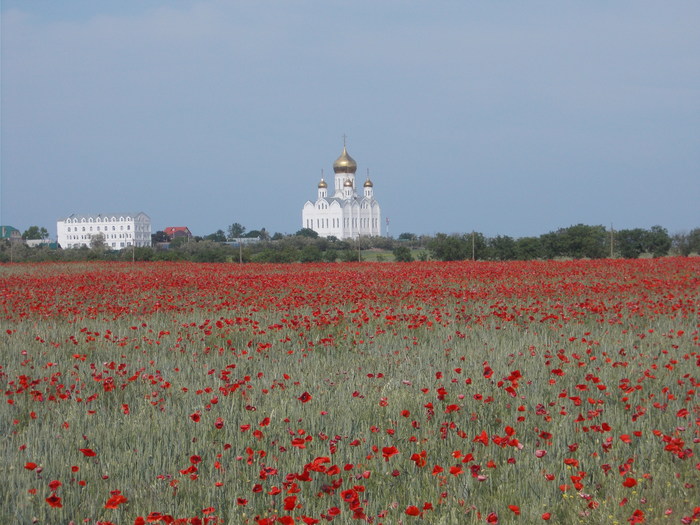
[
  {"x": 322, "y": 184},
  {"x": 347, "y": 183},
  {"x": 368, "y": 183},
  {"x": 345, "y": 163}
]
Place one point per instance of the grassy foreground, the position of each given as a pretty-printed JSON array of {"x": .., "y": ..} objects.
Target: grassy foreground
[{"x": 385, "y": 393}]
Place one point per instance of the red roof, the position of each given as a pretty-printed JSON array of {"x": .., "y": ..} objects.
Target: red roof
[{"x": 172, "y": 230}]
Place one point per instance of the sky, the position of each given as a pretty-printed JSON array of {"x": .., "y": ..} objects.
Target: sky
[{"x": 505, "y": 118}]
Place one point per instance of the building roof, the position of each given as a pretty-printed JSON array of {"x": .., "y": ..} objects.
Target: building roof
[
  {"x": 8, "y": 231},
  {"x": 172, "y": 230},
  {"x": 345, "y": 163},
  {"x": 81, "y": 216}
]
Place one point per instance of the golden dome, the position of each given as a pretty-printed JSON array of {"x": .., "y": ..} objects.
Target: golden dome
[
  {"x": 347, "y": 183},
  {"x": 323, "y": 183},
  {"x": 345, "y": 163},
  {"x": 368, "y": 183}
]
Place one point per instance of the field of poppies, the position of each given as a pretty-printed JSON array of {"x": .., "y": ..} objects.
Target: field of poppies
[{"x": 469, "y": 392}]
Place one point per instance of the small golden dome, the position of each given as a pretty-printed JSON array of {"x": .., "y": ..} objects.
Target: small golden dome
[
  {"x": 322, "y": 184},
  {"x": 368, "y": 183},
  {"x": 345, "y": 163},
  {"x": 347, "y": 183}
]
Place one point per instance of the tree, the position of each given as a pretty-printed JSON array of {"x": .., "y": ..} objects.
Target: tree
[
  {"x": 577, "y": 241},
  {"x": 235, "y": 231},
  {"x": 310, "y": 253},
  {"x": 403, "y": 254},
  {"x": 97, "y": 242},
  {"x": 694, "y": 241},
  {"x": 655, "y": 241},
  {"x": 630, "y": 243},
  {"x": 407, "y": 236},
  {"x": 449, "y": 248},
  {"x": 35, "y": 233},
  {"x": 528, "y": 248},
  {"x": 658, "y": 242},
  {"x": 217, "y": 236},
  {"x": 502, "y": 248},
  {"x": 307, "y": 232},
  {"x": 159, "y": 236}
]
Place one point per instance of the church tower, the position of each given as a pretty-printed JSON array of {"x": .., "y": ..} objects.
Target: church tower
[{"x": 344, "y": 168}]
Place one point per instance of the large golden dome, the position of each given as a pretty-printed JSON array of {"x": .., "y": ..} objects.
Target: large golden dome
[{"x": 345, "y": 163}]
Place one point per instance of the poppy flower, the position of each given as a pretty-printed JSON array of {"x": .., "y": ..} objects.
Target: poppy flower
[
  {"x": 30, "y": 466},
  {"x": 305, "y": 397},
  {"x": 54, "y": 501},
  {"x": 412, "y": 510},
  {"x": 88, "y": 452},
  {"x": 115, "y": 501},
  {"x": 388, "y": 452}
]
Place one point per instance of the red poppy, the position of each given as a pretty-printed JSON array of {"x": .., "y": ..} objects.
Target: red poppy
[
  {"x": 482, "y": 438},
  {"x": 388, "y": 452},
  {"x": 115, "y": 501},
  {"x": 54, "y": 501},
  {"x": 629, "y": 482},
  {"x": 30, "y": 465},
  {"x": 412, "y": 510},
  {"x": 88, "y": 452},
  {"x": 514, "y": 509},
  {"x": 305, "y": 397}
]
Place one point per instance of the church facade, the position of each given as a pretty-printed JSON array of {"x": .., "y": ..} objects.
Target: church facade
[{"x": 344, "y": 212}]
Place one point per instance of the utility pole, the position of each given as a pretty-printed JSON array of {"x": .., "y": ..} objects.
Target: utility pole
[
  {"x": 473, "y": 247},
  {"x": 612, "y": 239}
]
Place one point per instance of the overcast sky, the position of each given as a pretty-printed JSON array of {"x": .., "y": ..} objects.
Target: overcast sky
[{"x": 511, "y": 118}]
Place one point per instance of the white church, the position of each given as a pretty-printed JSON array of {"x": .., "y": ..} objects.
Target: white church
[{"x": 344, "y": 214}]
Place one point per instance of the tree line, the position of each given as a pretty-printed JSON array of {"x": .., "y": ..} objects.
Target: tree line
[{"x": 236, "y": 244}]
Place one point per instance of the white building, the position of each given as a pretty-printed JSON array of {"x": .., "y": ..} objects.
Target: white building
[
  {"x": 117, "y": 230},
  {"x": 345, "y": 214}
]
